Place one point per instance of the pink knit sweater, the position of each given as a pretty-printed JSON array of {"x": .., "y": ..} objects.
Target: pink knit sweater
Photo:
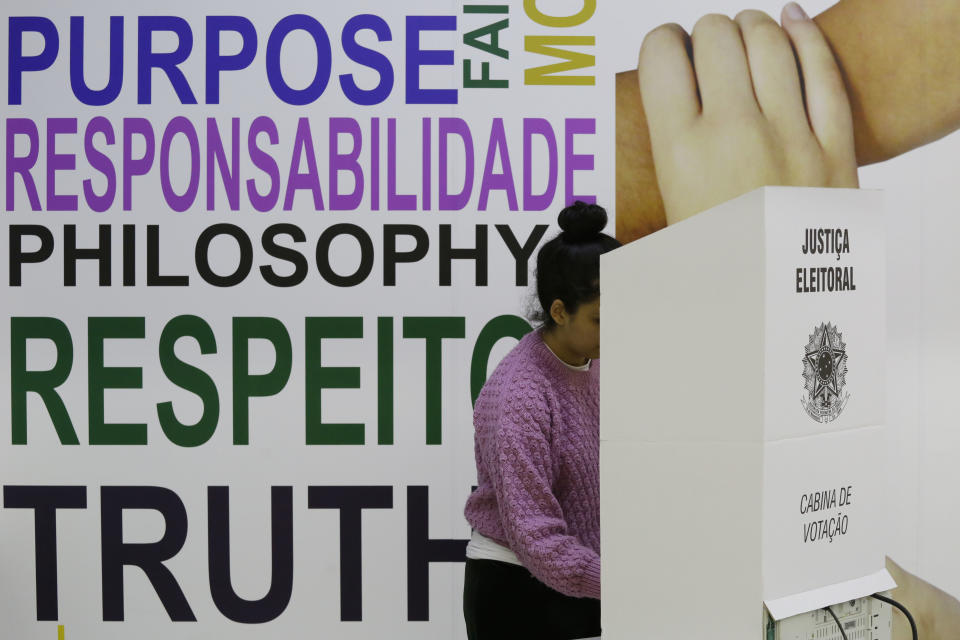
[{"x": 538, "y": 450}]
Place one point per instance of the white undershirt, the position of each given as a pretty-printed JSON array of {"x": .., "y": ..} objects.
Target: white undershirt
[
  {"x": 481, "y": 547},
  {"x": 582, "y": 367}
]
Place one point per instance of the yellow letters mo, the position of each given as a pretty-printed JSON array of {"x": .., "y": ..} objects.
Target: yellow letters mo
[{"x": 585, "y": 13}]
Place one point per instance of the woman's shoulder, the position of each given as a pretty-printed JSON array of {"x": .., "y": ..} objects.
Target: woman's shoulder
[
  {"x": 525, "y": 362},
  {"x": 520, "y": 374}
]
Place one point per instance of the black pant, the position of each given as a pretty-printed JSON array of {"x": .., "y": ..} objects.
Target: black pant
[{"x": 503, "y": 601}]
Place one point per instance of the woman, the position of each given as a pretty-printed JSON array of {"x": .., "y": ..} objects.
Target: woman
[{"x": 533, "y": 563}]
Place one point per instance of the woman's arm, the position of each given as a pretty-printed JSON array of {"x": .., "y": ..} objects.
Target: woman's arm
[
  {"x": 639, "y": 207},
  {"x": 519, "y": 459},
  {"x": 936, "y": 613},
  {"x": 898, "y": 62}
]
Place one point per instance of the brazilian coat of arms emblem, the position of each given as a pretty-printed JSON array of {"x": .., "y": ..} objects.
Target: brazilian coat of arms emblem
[{"x": 825, "y": 373}]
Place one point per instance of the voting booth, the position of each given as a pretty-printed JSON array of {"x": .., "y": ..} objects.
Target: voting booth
[{"x": 742, "y": 416}]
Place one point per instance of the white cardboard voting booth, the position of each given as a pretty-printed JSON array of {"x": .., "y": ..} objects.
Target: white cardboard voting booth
[{"x": 742, "y": 415}]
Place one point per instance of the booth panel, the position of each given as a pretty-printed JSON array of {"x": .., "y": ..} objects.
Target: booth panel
[
  {"x": 682, "y": 330},
  {"x": 825, "y": 348},
  {"x": 824, "y": 512},
  {"x": 680, "y": 527}
]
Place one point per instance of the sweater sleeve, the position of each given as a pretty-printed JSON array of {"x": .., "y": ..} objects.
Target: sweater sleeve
[{"x": 533, "y": 521}]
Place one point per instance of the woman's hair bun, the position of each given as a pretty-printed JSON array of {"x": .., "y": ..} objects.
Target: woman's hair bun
[{"x": 582, "y": 222}]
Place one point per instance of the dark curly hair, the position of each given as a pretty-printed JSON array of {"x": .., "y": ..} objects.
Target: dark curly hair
[{"x": 568, "y": 266}]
